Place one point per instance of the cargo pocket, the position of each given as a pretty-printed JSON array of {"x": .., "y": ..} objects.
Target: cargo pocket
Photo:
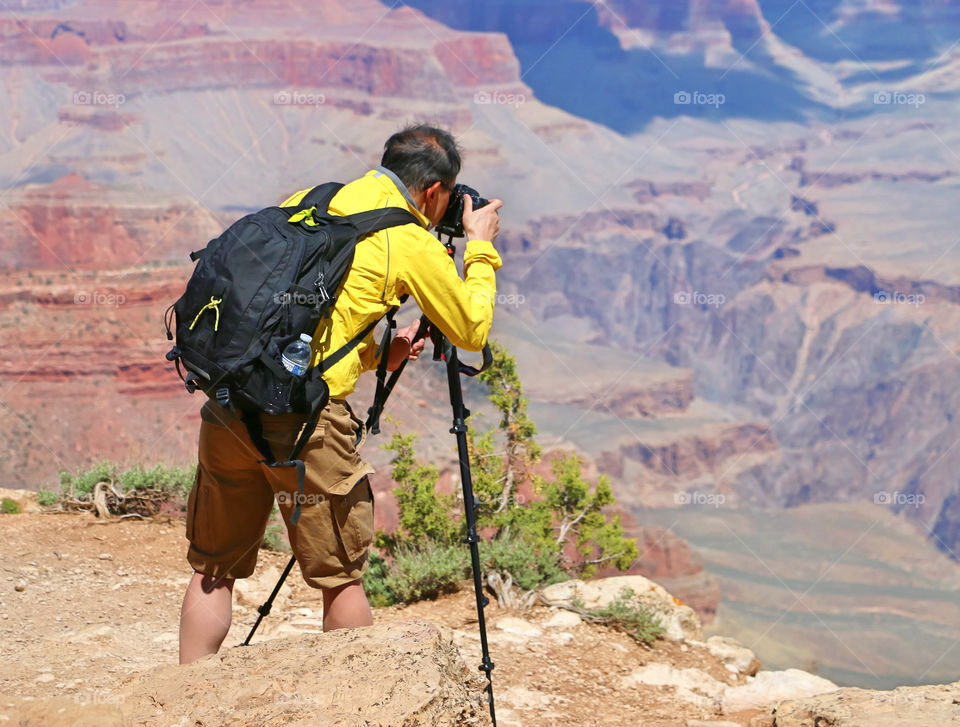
[
  {"x": 353, "y": 517},
  {"x": 336, "y": 464}
]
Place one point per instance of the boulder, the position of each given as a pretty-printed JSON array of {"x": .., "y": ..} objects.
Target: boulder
[
  {"x": 679, "y": 620},
  {"x": 563, "y": 620},
  {"x": 769, "y": 688},
  {"x": 902, "y": 707},
  {"x": 736, "y": 657},
  {"x": 692, "y": 685},
  {"x": 401, "y": 673},
  {"x": 518, "y": 627}
]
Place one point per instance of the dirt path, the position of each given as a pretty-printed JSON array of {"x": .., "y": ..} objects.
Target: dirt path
[{"x": 83, "y": 604}]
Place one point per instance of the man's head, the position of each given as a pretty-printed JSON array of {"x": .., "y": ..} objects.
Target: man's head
[{"x": 427, "y": 161}]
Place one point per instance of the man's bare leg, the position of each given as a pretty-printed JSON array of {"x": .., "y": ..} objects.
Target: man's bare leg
[
  {"x": 205, "y": 616},
  {"x": 346, "y": 607}
]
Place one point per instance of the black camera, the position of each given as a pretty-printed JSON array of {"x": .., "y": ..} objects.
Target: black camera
[{"x": 452, "y": 221}]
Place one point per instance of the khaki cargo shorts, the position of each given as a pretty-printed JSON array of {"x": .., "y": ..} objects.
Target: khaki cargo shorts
[{"x": 233, "y": 495}]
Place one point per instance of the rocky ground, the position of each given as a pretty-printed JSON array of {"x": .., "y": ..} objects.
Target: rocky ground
[{"x": 89, "y": 611}]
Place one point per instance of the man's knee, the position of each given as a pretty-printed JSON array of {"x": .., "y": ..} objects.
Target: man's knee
[
  {"x": 332, "y": 591},
  {"x": 209, "y": 583}
]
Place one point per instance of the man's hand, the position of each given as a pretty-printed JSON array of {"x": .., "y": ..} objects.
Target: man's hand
[
  {"x": 401, "y": 347},
  {"x": 481, "y": 224}
]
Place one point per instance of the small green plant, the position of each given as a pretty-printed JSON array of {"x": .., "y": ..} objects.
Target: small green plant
[
  {"x": 425, "y": 514},
  {"x": 47, "y": 498},
  {"x": 176, "y": 480},
  {"x": 427, "y": 571},
  {"x": 135, "y": 489},
  {"x": 274, "y": 537},
  {"x": 418, "y": 572},
  {"x": 374, "y": 581},
  {"x": 625, "y": 614},
  {"x": 84, "y": 481},
  {"x": 9, "y": 507},
  {"x": 516, "y": 555}
]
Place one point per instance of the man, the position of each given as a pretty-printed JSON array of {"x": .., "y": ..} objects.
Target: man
[{"x": 233, "y": 494}]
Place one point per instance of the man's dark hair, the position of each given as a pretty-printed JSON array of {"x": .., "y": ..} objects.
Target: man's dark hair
[{"x": 420, "y": 155}]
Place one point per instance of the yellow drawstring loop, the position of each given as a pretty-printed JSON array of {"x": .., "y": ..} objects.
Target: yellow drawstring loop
[
  {"x": 305, "y": 215},
  {"x": 214, "y": 302}
]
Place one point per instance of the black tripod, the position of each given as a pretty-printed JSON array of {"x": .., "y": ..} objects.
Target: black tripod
[
  {"x": 459, "y": 429},
  {"x": 447, "y": 352}
]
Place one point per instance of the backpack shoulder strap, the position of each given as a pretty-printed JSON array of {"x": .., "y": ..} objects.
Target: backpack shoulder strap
[
  {"x": 380, "y": 219},
  {"x": 319, "y": 197}
]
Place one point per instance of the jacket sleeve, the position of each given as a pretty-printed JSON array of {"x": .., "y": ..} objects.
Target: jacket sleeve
[{"x": 462, "y": 308}]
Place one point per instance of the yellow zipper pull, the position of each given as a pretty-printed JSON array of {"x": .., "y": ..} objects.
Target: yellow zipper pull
[{"x": 212, "y": 305}]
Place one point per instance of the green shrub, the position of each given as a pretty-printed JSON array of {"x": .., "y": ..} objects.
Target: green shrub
[
  {"x": 567, "y": 525},
  {"x": 46, "y": 498},
  {"x": 422, "y": 572},
  {"x": 174, "y": 481},
  {"x": 529, "y": 567},
  {"x": 9, "y": 507},
  {"x": 425, "y": 514},
  {"x": 374, "y": 581},
  {"x": 273, "y": 539},
  {"x": 275, "y": 536},
  {"x": 84, "y": 482},
  {"x": 625, "y": 614}
]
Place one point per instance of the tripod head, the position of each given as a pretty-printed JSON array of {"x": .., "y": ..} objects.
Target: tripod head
[{"x": 443, "y": 349}]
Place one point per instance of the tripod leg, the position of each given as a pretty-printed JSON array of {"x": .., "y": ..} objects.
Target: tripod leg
[
  {"x": 459, "y": 429},
  {"x": 264, "y": 609}
]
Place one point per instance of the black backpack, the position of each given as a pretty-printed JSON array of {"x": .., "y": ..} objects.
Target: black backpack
[{"x": 256, "y": 288}]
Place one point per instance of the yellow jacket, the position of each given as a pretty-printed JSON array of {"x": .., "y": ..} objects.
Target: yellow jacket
[{"x": 394, "y": 262}]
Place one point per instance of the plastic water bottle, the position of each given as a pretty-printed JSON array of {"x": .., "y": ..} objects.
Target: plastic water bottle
[
  {"x": 297, "y": 355},
  {"x": 296, "y": 358}
]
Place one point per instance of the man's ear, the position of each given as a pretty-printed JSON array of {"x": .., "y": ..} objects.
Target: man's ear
[{"x": 432, "y": 191}]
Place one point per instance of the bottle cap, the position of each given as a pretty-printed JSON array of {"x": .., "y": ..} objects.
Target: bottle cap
[{"x": 306, "y": 338}]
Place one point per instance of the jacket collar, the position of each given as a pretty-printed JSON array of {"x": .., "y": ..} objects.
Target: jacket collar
[{"x": 385, "y": 176}]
